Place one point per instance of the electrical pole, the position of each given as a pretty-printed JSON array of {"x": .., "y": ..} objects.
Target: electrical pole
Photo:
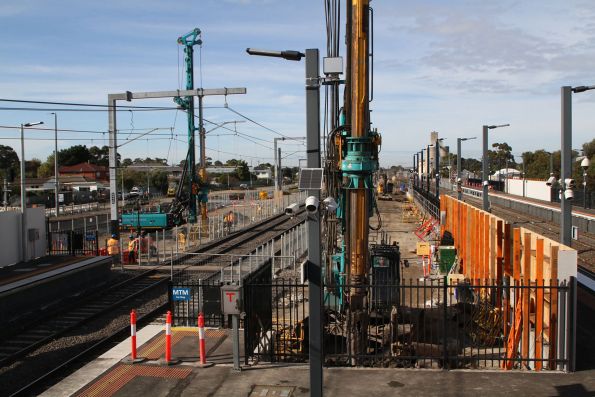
[{"x": 56, "y": 179}]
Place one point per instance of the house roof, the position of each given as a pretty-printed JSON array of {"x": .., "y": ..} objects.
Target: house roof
[{"x": 83, "y": 167}]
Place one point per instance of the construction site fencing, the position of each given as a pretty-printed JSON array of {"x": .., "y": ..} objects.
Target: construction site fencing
[
  {"x": 428, "y": 323},
  {"x": 427, "y": 201},
  {"x": 229, "y": 216},
  {"x": 73, "y": 243},
  {"x": 209, "y": 271}
]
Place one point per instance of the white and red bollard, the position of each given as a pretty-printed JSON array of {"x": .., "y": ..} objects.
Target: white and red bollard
[
  {"x": 202, "y": 348},
  {"x": 168, "y": 359},
  {"x": 133, "y": 356}
]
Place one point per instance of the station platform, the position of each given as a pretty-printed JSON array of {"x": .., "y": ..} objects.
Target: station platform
[
  {"x": 34, "y": 285},
  {"x": 109, "y": 376}
]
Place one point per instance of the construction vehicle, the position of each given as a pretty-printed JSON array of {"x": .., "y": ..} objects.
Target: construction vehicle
[
  {"x": 190, "y": 187},
  {"x": 263, "y": 195},
  {"x": 171, "y": 190},
  {"x": 359, "y": 277}
]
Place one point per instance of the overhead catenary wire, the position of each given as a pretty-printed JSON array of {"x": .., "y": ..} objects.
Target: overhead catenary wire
[{"x": 255, "y": 122}]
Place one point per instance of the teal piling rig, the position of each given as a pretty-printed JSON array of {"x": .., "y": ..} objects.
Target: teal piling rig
[{"x": 189, "y": 40}]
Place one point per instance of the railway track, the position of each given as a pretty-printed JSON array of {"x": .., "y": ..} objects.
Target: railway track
[{"x": 103, "y": 306}]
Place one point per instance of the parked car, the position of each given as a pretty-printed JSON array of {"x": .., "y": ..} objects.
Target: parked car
[{"x": 243, "y": 186}]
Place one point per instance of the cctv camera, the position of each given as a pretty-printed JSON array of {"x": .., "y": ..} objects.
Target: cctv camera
[
  {"x": 312, "y": 204},
  {"x": 568, "y": 194},
  {"x": 330, "y": 204},
  {"x": 570, "y": 183},
  {"x": 551, "y": 181},
  {"x": 486, "y": 183},
  {"x": 459, "y": 180},
  {"x": 291, "y": 209},
  {"x": 585, "y": 163}
]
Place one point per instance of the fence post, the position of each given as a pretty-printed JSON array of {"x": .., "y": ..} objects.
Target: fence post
[
  {"x": 562, "y": 335},
  {"x": 444, "y": 318},
  {"x": 97, "y": 243},
  {"x": 70, "y": 243},
  {"x": 571, "y": 326}
]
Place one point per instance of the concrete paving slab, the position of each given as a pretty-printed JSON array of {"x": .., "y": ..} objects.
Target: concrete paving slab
[{"x": 89, "y": 372}]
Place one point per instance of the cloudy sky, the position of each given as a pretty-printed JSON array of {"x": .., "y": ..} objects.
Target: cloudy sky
[{"x": 446, "y": 66}]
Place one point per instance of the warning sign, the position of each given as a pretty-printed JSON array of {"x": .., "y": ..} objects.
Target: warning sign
[{"x": 231, "y": 299}]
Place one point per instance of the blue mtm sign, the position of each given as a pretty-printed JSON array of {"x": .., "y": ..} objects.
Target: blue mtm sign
[{"x": 180, "y": 294}]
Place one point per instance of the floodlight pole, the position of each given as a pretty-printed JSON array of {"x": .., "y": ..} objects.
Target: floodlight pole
[
  {"x": 314, "y": 254},
  {"x": 566, "y": 165},
  {"x": 485, "y": 165}
]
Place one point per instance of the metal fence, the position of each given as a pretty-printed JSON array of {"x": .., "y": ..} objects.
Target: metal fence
[
  {"x": 73, "y": 243},
  {"x": 430, "y": 324},
  {"x": 205, "y": 297},
  {"x": 428, "y": 202}
]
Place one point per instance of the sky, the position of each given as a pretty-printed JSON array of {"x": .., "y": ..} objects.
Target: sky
[{"x": 447, "y": 66}]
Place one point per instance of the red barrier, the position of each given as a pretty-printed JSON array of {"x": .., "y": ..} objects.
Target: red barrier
[
  {"x": 168, "y": 338},
  {"x": 133, "y": 356},
  {"x": 201, "y": 338},
  {"x": 202, "y": 348},
  {"x": 133, "y": 334}
]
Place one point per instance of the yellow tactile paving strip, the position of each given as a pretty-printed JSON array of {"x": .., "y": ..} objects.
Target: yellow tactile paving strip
[
  {"x": 155, "y": 348},
  {"x": 113, "y": 380}
]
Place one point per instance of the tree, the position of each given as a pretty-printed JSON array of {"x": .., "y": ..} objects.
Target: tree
[
  {"x": 74, "y": 155},
  {"x": 263, "y": 166},
  {"x": 159, "y": 181},
  {"x": 242, "y": 171},
  {"x": 46, "y": 169},
  {"x": 589, "y": 149},
  {"x": 99, "y": 156},
  {"x": 472, "y": 165},
  {"x": 218, "y": 163},
  {"x": 500, "y": 156},
  {"x": 31, "y": 167},
  {"x": 537, "y": 164},
  {"x": 8, "y": 160},
  {"x": 126, "y": 162}
]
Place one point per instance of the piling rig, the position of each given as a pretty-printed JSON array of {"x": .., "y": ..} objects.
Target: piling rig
[
  {"x": 197, "y": 184},
  {"x": 351, "y": 162}
]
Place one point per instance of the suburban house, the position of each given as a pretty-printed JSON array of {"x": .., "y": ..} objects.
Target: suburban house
[{"x": 90, "y": 172}]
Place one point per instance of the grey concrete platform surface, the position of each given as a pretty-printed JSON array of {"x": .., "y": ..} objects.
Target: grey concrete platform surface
[{"x": 107, "y": 376}]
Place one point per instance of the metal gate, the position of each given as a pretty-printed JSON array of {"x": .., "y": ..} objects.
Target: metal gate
[
  {"x": 204, "y": 296},
  {"x": 484, "y": 325},
  {"x": 74, "y": 243}
]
